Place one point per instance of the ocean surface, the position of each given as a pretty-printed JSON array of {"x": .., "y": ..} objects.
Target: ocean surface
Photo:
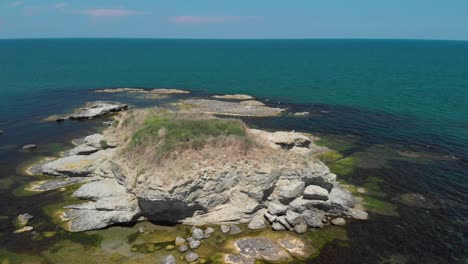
[{"x": 399, "y": 108}]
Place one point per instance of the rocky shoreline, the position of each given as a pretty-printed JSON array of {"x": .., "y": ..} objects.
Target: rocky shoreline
[{"x": 279, "y": 185}]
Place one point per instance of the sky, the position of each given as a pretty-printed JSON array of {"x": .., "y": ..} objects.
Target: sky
[{"x": 245, "y": 19}]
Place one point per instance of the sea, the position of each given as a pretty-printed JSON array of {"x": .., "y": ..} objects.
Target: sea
[{"x": 395, "y": 110}]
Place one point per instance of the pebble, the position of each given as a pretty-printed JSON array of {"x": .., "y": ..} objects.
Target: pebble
[
  {"x": 170, "y": 247},
  {"x": 225, "y": 229},
  {"x": 235, "y": 230},
  {"x": 194, "y": 244},
  {"x": 183, "y": 248},
  {"x": 197, "y": 234},
  {"x": 180, "y": 241},
  {"x": 191, "y": 256}
]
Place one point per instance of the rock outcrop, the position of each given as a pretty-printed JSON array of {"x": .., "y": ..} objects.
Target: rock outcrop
[
  {"x": 232, "y": 108},
  {"x": 269, "y": 183},
  {"x": 97, "y": 109}
]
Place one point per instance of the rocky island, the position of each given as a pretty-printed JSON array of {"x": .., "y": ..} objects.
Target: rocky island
[{"x": 191, "y": 167}]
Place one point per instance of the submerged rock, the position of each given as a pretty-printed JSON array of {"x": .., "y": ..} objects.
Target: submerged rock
[
  {"x": 2, "y": 132},
  {"x": 24, "y": 230},
  {"x": 97, "y": 109},
  {"x": 29, "y": 146},
  {"x": 262, "y": 249},
  {"x": 419, "y": 200}
]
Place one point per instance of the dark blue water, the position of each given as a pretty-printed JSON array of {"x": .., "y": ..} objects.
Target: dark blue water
[{"x": 378, "y": 97}]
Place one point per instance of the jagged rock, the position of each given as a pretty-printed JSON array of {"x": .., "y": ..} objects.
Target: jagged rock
[
  {"x": 288, "y": 190},
  {"x": 24, "y": 230},
  {"x": 225, "y": 229},
  {"x": 314, "y": 218},
  {"x": 282, "y": 220},
  {"x": 22, "y": 220},
  {"x": 314, "y": 192},
  {"x": 278, "y": 227},
  {"x": 341, "y": 201},
  {"x": 261, "y": 248},
  {"x": 275, "y": 208},
  {"x": 256, "y": 223},
  {"x": 197, "y": 234},
  {"x": 168, "y": 260},
  {"x": 29, "y": 146},
  {"x": 183, "y": 248},
  {"x": 269, "y": 217},
  {"x": 194, "y": 244},
  {"x": 191, "y": 256},
  {"x": 294, "y": 218},
  {"x": 97, "y": 109},
  {"x": 339, "y": 221},
  {"x": 234, "y": 230},
  {"x": 300, "y": 204},
  {"x": 180, "y": 241}
]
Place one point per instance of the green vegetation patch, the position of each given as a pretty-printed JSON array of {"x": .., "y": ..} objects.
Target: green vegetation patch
[
  {"x": 321, "y": 237},
  {"x": 380, "y": 207},
  {"x": 344, "y": 166},
  {"x": 330, "y": 157},
  {"x": 168, "y": 132}
]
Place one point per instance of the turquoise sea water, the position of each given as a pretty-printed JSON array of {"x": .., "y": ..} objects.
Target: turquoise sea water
[{"x": 379, "y": 94}]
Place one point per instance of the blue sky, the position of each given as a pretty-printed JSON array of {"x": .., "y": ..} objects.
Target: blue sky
[{"x": 413, "y": 19}]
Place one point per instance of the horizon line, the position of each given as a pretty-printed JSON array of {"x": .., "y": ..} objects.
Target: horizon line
[{"x": 175, "y": 38}]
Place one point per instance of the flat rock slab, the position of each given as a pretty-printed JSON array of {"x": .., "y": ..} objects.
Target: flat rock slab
[
  {"x": 261, "y": 248},
  {"x": 96, "y": 109},
  {"x": 100, "y": 189},
  {"x": 232, "y": 108},
  {"x": 73, "y": 166},
  {"x": 141, "y": 90},
  {"x": 49, "y": 185},
  {"x": 234, "y": 97}
]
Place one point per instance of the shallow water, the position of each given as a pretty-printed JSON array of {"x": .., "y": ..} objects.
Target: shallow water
[{"x": 397, "y": 119}]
